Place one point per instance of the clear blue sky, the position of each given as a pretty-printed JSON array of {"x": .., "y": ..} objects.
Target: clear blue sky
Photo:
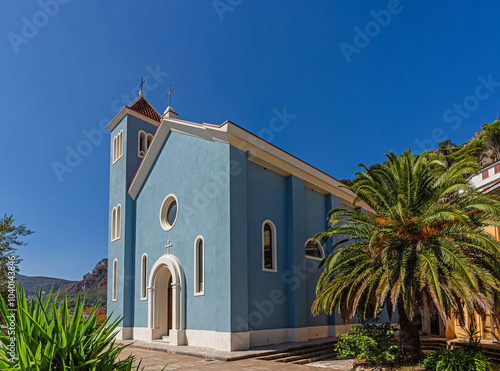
[{"x": 242, "y": 63}]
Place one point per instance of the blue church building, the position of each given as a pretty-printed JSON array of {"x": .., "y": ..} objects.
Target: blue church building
[{"x": 210, "y": 234}]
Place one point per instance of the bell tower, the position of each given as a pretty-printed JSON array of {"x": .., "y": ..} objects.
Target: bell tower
[{"x": 132, "y": 132}]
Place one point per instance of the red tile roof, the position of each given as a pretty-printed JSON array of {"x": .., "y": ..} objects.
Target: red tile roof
[{"x": 143, "y": 107}]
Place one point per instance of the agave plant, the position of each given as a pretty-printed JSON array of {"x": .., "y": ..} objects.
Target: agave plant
[
  {"x": 473, "y": 335},
  {"x": 423, "y": 247},
  {"x": 47, "y": 337}
]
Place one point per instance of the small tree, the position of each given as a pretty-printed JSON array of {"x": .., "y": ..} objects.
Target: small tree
[
  {"x": 445, "y": 144},
  {"x": 492, "y": 135},
  {"x": 9, "y": 242}
]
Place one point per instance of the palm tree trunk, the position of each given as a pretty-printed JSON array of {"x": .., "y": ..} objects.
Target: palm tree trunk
[{"x": 409, "y": 336}]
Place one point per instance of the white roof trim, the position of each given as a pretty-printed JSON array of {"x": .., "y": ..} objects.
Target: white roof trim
[
  {"x": 128, "y": 111},
  {"x": 276, "y": 159},
  {"x": 260, "y": 152},
  {"x": 211, "y": 133}
]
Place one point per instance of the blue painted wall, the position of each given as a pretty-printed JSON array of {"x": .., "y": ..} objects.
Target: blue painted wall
[
  {"x": 197, "y": 172},
  {"x": 266, "y": 199},
  {"x": 240, "y": 251},
  {"x": 315, "y": 222}
]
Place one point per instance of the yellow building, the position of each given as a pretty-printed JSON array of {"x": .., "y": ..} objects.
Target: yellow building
[{"x": 487, "y": 181}]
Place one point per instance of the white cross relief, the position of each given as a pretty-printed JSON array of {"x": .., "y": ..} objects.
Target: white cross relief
[{"x": 168, "y": 246}]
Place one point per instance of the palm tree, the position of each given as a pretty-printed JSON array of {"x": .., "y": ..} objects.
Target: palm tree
[{"x": 424, "y": 246}]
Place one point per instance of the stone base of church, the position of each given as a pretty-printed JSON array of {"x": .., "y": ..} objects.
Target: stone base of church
[{"x": 227, "y": 341}]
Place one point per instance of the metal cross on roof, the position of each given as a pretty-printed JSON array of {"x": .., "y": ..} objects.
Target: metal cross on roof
[
  {"x": 169, "y": 94},
  {"x": 142, "y": 83}
]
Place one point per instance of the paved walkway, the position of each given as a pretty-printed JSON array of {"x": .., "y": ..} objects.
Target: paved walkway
[
  {"x": 154, "y": 360},
  {"x": 220, "y": 355}
]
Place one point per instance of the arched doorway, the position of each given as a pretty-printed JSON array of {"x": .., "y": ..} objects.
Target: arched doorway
[
  {"x": 166, "y": 300},
  {"x": 162, "y": 291}
]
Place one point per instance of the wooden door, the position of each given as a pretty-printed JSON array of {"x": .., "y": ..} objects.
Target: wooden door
[
  {"x": 490, "y": 330},
  {"x": 169, "y": 304}
]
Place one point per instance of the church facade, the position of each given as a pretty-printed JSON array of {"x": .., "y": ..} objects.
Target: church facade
[{"x": 210, "y": 234}]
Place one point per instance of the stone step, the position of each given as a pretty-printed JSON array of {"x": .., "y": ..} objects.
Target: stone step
[
  {"x": 332, "y": 355},
  {"x": 305, "y": 356},
  {"x": 298, "y": 351}
]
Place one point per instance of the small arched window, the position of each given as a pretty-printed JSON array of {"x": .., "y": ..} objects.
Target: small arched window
[
  {"x": 314, "y": 250},
  {"x": 269, "y": 247},
  {"x": 199, "y": 264},
  {"x": 116, "y": 223},
  {"x": 113, "y": 224},
  {"x": 118, "y": 146},
  {"x": 115, "y": 279},
  {"x": 115, "y": 149},
  {"x": 142, "y": 146},
  {"x": 144, "y": 269},
  {"x": 150, "y": 140}
]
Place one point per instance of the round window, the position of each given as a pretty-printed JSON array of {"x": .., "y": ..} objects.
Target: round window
[{"x": 168, "y": 212}]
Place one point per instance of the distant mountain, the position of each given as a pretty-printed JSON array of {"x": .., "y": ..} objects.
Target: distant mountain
[
  {"x": 32, "y": 284},
  {"x": 93, "y": 286},
  {"x": 96, "y": 280}
]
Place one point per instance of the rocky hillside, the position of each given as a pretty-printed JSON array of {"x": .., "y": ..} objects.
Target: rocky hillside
[
  {"x": 96, "y": 280},
  {"x": 93, "y": 286},
  {"x": 484, "y": 145}
]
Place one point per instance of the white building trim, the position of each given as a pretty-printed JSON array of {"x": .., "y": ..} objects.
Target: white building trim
[
  {"x": 114, "y": 289},
  {"x": 167, "y": 201},
  {"x": 141, "y": 143},
  {"x": 128, "y": 111},
  {"x": 144, "y": 277},
  {"x": 234, "y": 341},
  {"x": 258, "y": 150},
  {"x": 197, "y": 261},
  {"x": 176, "y": 334},
  {"x": 321, "y": 250}
]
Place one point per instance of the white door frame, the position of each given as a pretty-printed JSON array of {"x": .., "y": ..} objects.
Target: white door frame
[{"x": 177, "y": 333}]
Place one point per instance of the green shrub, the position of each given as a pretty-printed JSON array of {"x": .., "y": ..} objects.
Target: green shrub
[
  {"x": 474, "y": 149},
  {"x": 368, "y": 341},
  {"x": 47, "y": 338},
  {"x": 456, "y": 360}
]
